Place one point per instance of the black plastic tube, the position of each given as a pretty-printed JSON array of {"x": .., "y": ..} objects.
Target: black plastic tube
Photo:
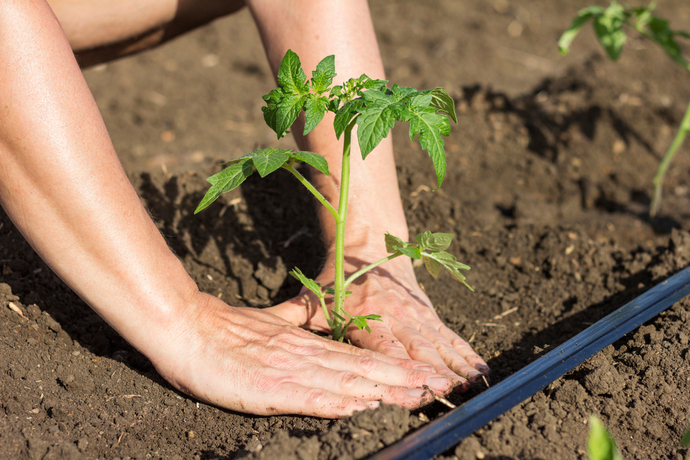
[{"x": 448, "y": 430}]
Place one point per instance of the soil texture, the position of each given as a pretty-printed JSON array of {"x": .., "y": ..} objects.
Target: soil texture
[{"x": 547, "y": 192}]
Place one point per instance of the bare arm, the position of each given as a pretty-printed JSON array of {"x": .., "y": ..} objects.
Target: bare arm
[{"x": 63, "y": 187}]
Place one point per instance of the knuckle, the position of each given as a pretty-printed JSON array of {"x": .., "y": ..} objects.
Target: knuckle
[
  {"x": 266, "y": 383},
  {"x": 347, "y": 381},
  {"x": 459, "y": 344},
  {"x": 419, "y": 344},
  {"x": 413, "y": 379},
  {"x": 387, "y": 347},
  {"x": 366, "y": 365},
  {"x": 316, "y": 398}
]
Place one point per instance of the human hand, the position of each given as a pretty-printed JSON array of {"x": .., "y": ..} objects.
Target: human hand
[
  {"x": 250, "y": 360},
  {"x": 410, "y": 327}
]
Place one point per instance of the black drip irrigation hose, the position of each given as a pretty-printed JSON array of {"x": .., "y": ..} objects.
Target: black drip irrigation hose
[{"x": 448, "y": 430}]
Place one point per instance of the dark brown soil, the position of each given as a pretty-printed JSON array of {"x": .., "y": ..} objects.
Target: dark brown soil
[{"x": 548, "y": 187}]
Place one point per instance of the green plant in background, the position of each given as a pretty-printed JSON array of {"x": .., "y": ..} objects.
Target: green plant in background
[
  {"x": 373, "y": 108},
  {"x": 600, "y": 443},
  {"x": 608, "y": 26},
  {"x": 602, "y": 446}
]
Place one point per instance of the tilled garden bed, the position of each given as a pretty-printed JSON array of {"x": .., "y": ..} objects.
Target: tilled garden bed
[{"x": 549, "y": 180}]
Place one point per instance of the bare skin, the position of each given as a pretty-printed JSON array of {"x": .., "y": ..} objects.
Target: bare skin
[{"x": 64, "y": 188}]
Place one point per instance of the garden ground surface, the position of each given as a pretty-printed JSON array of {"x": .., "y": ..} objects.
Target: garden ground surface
[{"x": 547, "y": 190}]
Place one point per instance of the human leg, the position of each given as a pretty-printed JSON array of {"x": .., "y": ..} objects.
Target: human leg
[{"x": 103, "y": 30}]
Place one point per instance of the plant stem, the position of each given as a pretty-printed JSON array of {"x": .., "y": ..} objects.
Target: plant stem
[
  {"x": 340, "y": 223},
  {"x": 362, "y": 271},
  {"x": 666, "y": 161},
  {"x": 322, "y": 300},
  {"x": 313, "y": 191}
]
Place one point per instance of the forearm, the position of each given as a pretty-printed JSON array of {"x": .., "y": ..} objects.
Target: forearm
[
  {"x": 314, "y": 30},
  {"x": 63, "y": 186}
]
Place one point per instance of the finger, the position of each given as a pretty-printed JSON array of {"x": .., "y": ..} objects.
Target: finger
[
  {"x": 421, "y": 349},
  {"x": 349, "y": 383},
  {"x": 378, "y": 371},
  {"x": 295, "y": 398},
  {"x": 317, "y": 402},
  {"x": 297, "y": 310},
  {"x": 465, "y": 350},
  {"x": 381, "y": 339},
  {"x": 453, "y": 359}
]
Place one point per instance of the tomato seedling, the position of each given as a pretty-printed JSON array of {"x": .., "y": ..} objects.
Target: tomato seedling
[
  {"x": 372, "y": 107},
  {"x": 608, "y": 26}
]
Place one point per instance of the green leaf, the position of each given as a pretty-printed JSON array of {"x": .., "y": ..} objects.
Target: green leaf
[
  {"x": 361, "y": 321},
  {"x": 284, "y": 103},
  {"x": 314, "y": 110},
  {"x": 226, "y": 180},
  {"x": 345, "y": 114},
  {"x": 421, "y": 100},
  {"x": 664, "y": 37},
  {"x": 312, "y": 159},
  {"x": 392, "y": 243},
  {"x": 609, "y": 28},
  {"x": 582, "y": 17},
  {"x": 287, "y": 112},
  {"x": 441, "y": 101},
  {"x": 432, "y": 266},
  {"x": 403, "y": 92},
  {"x": 323, "y": 76},
  {"x": 434, "y": 241},
  {"x": 281, "y": 110},
  {"x": 375, "y": 120},
  {"x": 410, "y": 251},
  {"x": 309, "y": 283},
  {"x": 368, "y": 83},
  {"x": 450, "y": 263},
  {"x": 686, "y": 439},
  {"x": 267, "y": 160},
  {"x": 430, "y": 126},
  {"x": 448, "y": 260},
  {"x": 291, "y": 76},
  {"x": 600, "y": 443}
]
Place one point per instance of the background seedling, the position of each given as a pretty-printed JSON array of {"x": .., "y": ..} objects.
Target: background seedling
[
  {"x": 609, "y": 27},
  {"x": 602, "y": 446},
  {"x": 372, "y": 107},
  {"x": 600, "y": 443}
]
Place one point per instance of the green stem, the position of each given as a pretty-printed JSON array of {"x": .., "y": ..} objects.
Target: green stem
[
  {"x": 340, "y": 223},
  {"x": 680, "y": 135},
  {"x": 362, "y": 271},
  {"x": 666, "y": 161},
  {"x": 326, "y": 313},
  {"x": 313, "y": 191}
]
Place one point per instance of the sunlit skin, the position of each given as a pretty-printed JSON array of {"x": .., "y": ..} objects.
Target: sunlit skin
[{"x": 62, "y": 185}]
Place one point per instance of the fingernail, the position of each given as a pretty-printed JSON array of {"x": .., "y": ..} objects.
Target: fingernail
[
  {"x": 484, "y": 369},
  {"x": 373, "y": 404},
  {"x": 424, "y": 367},
  {"x": 474, "y": 376},
  {"x": 438, "y": 383},
  {"x": 415, "y": 392}
]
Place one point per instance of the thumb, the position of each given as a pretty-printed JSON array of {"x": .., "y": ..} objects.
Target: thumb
[{"x": 303, "y": 310}]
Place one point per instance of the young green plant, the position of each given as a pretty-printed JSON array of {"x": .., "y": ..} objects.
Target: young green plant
[
  {"x": 372, "y": 107},
  {"x": 608, "y": 26},
  {"x": 601, "y": 445}
]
